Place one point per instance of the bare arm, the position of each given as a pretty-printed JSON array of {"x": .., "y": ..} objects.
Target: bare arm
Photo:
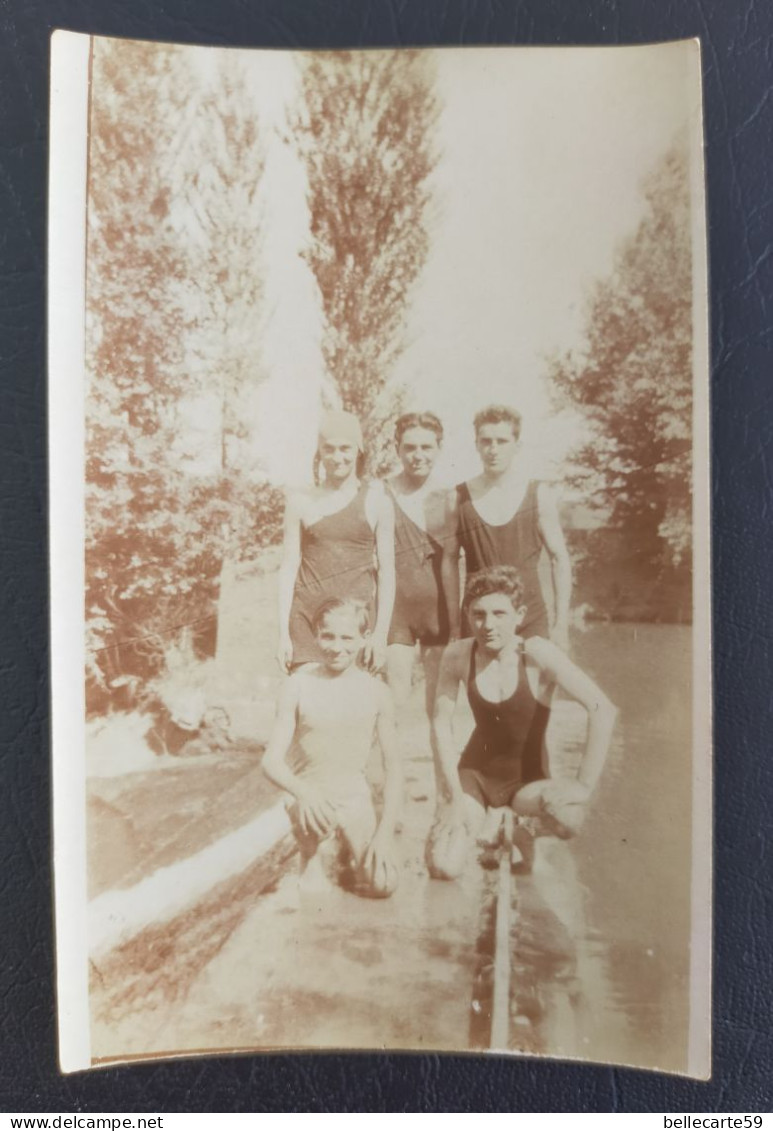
[
  {"x": 451, "y": 667},
  {"x": 316, "y": 814},
  {"x": 449, "y": 567},
  {"x": 580, "y": 687},
  {"x": 385, "y": 556},
  {"x": 380, "y": 853},
  {"x": 288, "y": 572},
  {"x": 274, "y": 764},
  {"x": 560, "y": 563}
]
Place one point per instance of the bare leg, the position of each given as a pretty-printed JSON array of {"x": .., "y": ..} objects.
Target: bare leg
[
  {"x": 488, "y": 834},
  {"x": 448, "y": 848},
  {"x": 522, "y": 834},
  {"x": 357, "y": 824},
  {"x": 313, "y": 851},
  {"x": 430, "y": 658},
  {"x": 399, "y": 672},
  {"x": 475, "y": 815}
]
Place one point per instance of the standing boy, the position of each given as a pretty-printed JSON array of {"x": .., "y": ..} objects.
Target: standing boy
[
  {"x": 505, "y": 518},
  {"x": 330, "y": 711},
  {"x": 426, "y": 608}
]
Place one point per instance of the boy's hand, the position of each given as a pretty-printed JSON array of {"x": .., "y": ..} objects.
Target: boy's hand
[
  {"x": 380, "y": 859},
  {"x": 450, "y": 816},
  {"x": 448, "y": 843},
  {"x": 374, "y": 653},
  {"x": 316, "y": 814},
  {"x": 284, "y": 653}
]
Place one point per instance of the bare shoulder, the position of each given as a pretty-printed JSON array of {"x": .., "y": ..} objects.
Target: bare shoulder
[
  {"x": 547, "y": 497},
  {"x": 544, "y": 653},
  {"x": 376, "y": 493},
  {"x": 447, "y": 497},
  {"x": 306, "y": 673},
  {"x": 299, "y": 499},
  {"x": 440, "y": 509},
  {"x": 376, "y": 488},
  {"x": 475, "y": 487},
  {"x": 290, "y": 689},
  {"x": 451, "y": 507},
  {"x": 366, "y": 687},
  {"x": 378, "y": 502}
]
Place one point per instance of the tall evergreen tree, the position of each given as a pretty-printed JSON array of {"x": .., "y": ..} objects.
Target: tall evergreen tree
[{"x": 365, "y": 134}]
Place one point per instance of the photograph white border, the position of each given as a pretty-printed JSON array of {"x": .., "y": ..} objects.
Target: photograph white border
[{"x": 68, "y": 161}]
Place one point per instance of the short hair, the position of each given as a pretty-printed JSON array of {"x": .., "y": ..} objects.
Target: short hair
[
  {"x": 502, "y": 579},
  {"x": 499, "y": 414},
  {"x": 334, "y": 604},
  {"x": 426, "y": 420}
]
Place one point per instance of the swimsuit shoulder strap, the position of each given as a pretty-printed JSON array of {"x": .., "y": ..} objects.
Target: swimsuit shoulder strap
[{"x": 524, "y": 687}]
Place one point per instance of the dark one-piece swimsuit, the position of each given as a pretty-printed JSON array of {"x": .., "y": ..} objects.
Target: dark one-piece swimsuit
[
  {"x": 338, "y": 559},
  {"x": 505, "y": 749},
  {"x": 515, "y": 543},
  {"x": 420, "y": 610}
]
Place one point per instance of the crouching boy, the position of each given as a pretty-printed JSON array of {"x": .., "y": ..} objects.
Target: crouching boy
[
  {"x": 329, "y": 712},
  {"x": 509, "y": 683}
]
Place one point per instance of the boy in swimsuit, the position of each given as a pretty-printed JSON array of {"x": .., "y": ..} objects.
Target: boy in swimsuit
[
  {"x": 329, "y": 711},
  {"x": 426, "y": 609},
  {"x": 509, "y": 681},
  {"x": 507, "y": 519},
  {"x": 338, "y": 542}
]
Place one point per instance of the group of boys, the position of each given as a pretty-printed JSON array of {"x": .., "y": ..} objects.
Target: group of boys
[{"x": 499, "y": 642}]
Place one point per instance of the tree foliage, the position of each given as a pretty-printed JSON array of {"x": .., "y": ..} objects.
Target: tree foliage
[
  {"x": 364, "y": 134},
  {"x": 171, "y": 314},
  {"x": 632, "y": 383},
  {"x": 220, "y": 178}
]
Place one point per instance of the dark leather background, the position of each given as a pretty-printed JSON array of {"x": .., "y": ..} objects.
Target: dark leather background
[{"x": 737, "y": 38}]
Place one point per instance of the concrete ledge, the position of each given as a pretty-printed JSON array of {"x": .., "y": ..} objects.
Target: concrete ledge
[{"x": 117, "y": 916}]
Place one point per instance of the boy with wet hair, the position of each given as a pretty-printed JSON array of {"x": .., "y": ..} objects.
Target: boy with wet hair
[
  {"x": 329, "y": 712},
  {"x": 509, "y": 681}
]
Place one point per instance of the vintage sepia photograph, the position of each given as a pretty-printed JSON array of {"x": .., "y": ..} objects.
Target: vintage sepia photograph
[{"x": 380, "y": 633}]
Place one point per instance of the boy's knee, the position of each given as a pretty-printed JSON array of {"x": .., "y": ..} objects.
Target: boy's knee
[
  {"x": 446, "y": 854},
  {"x": 444, "y": 870},
  {"x": 382, "y": 889},
  {"x": 382, "y": 885}
]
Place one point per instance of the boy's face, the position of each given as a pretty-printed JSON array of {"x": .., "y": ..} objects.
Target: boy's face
[
  {"x": 418, "y": 450},
  {"x": 338, "y": 459},
  {"x": 497, "y": 446},
  {"x": 340, "y": 639},
  {"x": 494, "y": 621}
]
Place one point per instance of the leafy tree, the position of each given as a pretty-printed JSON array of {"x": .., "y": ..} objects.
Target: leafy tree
[
  {"x": 134, "y": 349},
  {"x": 364, "y": 134},
  {"x": 632, "y": 384},
  {"x": 168, "y": 285}
]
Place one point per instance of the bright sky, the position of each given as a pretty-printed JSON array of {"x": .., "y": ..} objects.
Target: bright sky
[{"x": 543, "y": 151}]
